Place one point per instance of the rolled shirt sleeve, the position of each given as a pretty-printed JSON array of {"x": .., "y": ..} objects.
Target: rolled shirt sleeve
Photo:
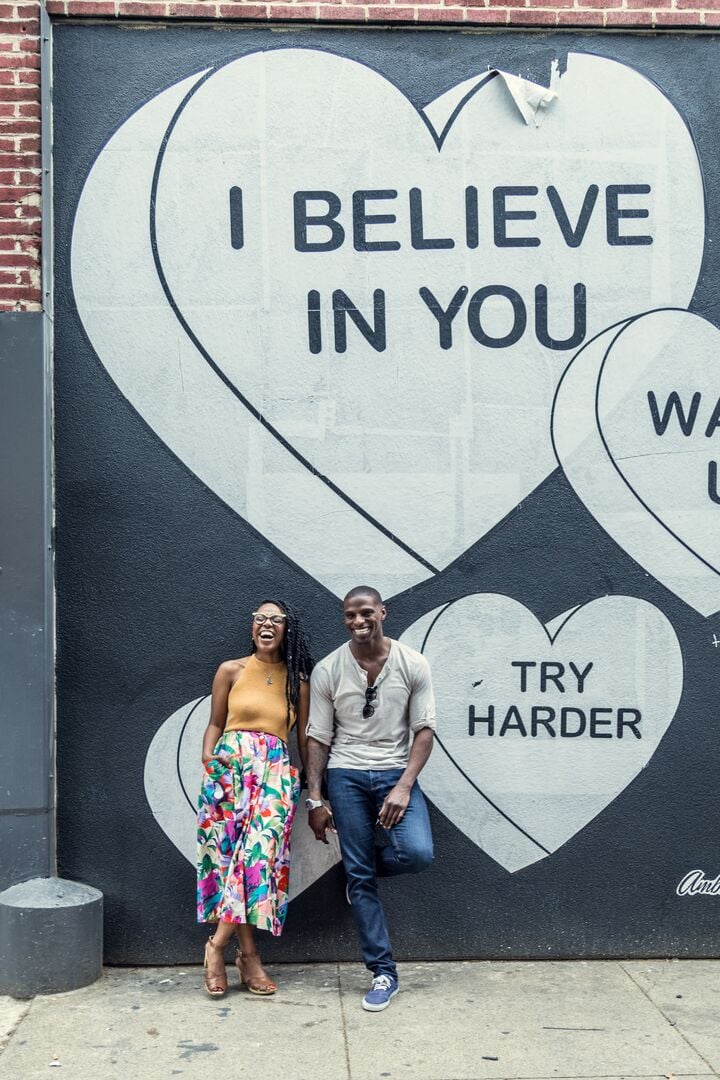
[
  {"x": 321, "y": 721},
  {"x": 421, "y": 707}
]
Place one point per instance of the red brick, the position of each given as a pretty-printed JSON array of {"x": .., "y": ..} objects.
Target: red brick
[
  {"x": 391, "y": 14},
  {"x": 25, "y": 78},
  {"x": 599, "y": 3},
  {"x": 97, "y": 7},
  {"x": 338, "y": 12},
  {"x": 676, "y": 18},
  {"x": 580, "y": 18},
  {"x": 481, "y": 17},
  {"x": 133, "y": 8},
  {"x": 7, "y": 108},
  {"x": 24, "y": 176},
  {"x": 526, "y": 17},
  {"x": 629, "y": 18},
  {"x": 24, "y": 292},
  {"x": 18, "y": 93},
  {"x": 712, "y": 18},
  {"x": 10, "y": 277},
  {"x": 641, "y": 4},
  {"x": 7, "y": 78},
  {"x": 29, "y": 108},
  {"x": 29, "y": 145},
  {"x": 18, "y": 127},
  {"x": 26, "y": 11},
  {"x": 12, "y": 60},
  {"x": 18, "y": 258},
  {"x": 243, "y": 11},
  {"x": 698, "y": 5},
  {"x": 29, "y": 45},
  {"x": 443, "y": 15},
  {"x": 22, "y": 161},
  {"x": 550, "y": 3},
  {"x": 17, "y": 27},
  {"x": 293, "y": 11},
  {"x": 191, "y": 11},
  {"x": 20, "y": 227},
  {"x": 15, "y": 192},
  {"x": 6, "y": 11},
  {"x": 57, "y": 7}
]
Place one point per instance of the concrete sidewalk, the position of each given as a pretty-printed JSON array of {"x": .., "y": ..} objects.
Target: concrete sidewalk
[{"x": 453, "y": 1021}]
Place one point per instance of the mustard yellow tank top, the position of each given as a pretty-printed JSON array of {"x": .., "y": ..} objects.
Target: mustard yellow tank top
[{"x": 257, "y": 701}]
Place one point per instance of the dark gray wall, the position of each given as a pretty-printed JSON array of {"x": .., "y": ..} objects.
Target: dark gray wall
[
  {"x": 26, "y": 758},
  {"x": 156, "y": 576}
]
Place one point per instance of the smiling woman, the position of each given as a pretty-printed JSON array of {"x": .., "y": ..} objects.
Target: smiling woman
[{"x": 249, "y": 793}]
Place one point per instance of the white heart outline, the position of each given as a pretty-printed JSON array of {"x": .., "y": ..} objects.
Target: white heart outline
[
  {"x": 254, "y": 411},
  {"x": 654, "y": 546},
  {"x": 513, "y": 848},
  {"x": 174, "y": 809},
  {"x": 399, "y": 570}
]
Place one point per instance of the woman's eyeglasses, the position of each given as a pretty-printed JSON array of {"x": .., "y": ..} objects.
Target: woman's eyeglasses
[
  {"x": 259, "y": 618},
  {"x": 370, "y": 696}
]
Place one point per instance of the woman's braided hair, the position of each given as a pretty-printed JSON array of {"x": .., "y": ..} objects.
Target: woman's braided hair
[{"x": 296, "y": 652}]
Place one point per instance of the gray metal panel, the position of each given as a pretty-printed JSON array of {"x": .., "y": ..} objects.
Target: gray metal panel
[
  {"x": 24, "y": 707},
  {"x": 24, "y": 844}
]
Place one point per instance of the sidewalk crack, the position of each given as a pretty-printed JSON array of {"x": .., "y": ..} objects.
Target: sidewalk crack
[
  {"x": 665, "y": 1017},
  {"x": 344, "y": 1025},
  {"x": 6, "y": 1035}
]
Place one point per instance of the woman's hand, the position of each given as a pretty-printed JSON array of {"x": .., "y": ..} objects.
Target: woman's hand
[{"x": 223, "y": 759}]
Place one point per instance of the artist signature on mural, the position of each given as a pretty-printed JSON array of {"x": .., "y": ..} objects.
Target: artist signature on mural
[{"x": 695, "y": 883}]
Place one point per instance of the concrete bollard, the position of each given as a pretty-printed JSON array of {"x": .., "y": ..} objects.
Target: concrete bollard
[{"x": 50, "y": 937}]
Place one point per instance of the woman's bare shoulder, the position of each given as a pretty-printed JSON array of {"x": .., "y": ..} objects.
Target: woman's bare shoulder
[{"x": 230, "y": 669}]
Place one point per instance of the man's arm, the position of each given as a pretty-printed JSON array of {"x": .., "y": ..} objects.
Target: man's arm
[
  {"x": 319, "y": 819},
  {"x": 320, "y": 730},
  {"x": 396, "y": 801},
  {"x": 317, "y": 758}
]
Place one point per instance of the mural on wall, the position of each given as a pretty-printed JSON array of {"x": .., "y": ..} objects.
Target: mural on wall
[
  {"x": 373, "y": 329},
  {"x": 364, "y": 309}
]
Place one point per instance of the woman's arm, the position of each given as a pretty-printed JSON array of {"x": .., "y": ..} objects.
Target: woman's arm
[
  {"x": 222, "y": 682},
  {"x": 303, "y": 708}
]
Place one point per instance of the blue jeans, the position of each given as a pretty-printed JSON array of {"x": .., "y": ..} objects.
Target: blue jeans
[{"x": 356, "y": 796}]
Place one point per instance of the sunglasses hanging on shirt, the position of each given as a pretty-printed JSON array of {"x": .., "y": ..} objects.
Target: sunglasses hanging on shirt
[{"x": 370, "y": 697}]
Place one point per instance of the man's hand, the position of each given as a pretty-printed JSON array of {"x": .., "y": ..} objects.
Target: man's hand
[
  {"x": 320, "y": 820},
  {"x": 394, "y": 807}
]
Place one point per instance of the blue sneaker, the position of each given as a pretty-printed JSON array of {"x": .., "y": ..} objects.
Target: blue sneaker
[{"x": 384, "y": 987}]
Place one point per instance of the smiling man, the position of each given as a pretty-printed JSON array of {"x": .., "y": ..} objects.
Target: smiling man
[{"x": 372, "y": 717}]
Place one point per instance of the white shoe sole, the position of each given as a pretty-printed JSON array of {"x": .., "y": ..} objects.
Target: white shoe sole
[{"x": 379, "y": 1008}]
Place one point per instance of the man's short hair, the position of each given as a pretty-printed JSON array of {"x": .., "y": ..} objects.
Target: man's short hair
[{"x": 363, "y": 590}]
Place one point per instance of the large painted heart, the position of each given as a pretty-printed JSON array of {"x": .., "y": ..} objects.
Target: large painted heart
[
  {"x": 388, "y": 459},
  {"x": 540, "y": 729},
  {"x": 636, "y": 427},
  {"x": 172, "y": 784}
]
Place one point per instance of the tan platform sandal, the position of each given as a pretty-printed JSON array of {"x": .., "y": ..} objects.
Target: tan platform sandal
[
  {"x": 259, "y": 987},
  {"x": 215, "y": 985}
]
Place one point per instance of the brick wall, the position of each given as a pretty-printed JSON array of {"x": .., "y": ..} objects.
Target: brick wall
[{"x": 20, "y": 286}]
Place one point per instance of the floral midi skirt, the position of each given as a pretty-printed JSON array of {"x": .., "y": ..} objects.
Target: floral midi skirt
[{"x": 246, "y": 808}]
